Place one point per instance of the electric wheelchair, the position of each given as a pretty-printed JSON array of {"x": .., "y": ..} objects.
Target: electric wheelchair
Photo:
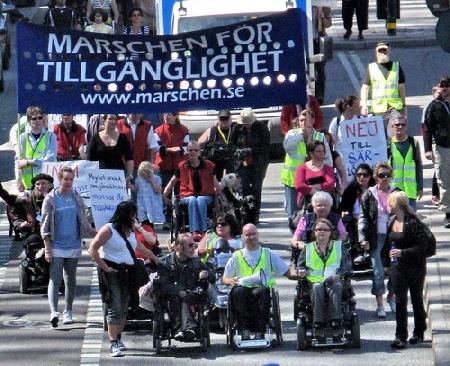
[
  {"x": 346, "y": 334},
  {"x": 273, "y": 335},
  {"x": 163, "y": 327}
]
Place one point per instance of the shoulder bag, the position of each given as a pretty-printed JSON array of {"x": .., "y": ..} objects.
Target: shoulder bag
[{"x": 137, "y": 273}]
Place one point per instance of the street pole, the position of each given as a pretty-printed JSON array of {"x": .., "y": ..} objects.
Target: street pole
[{"x": 391, "y": 18}]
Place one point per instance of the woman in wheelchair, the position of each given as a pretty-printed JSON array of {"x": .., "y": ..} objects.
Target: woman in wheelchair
[
  {"x": 325, "y": 263},
  {"x": 179, "y": 273}
]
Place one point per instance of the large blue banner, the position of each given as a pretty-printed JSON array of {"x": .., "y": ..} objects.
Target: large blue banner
[{"x": 257, "y": 63}]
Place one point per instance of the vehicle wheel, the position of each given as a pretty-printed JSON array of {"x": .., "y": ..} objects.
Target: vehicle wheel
[
  {"x": 277, "y": 318},
  {"x": 205, "y": 344},
  {"x": 301, "y": 337},
  {"x": 23, "y": 280},
  {"x": 155, "y": 334},
  {"x": 356, "y": 332},
  {"x": 105, "y": 313},
  {"x": 158, "y": 346}
]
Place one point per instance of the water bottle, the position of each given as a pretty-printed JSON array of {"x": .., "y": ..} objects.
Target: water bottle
[{"x": 394, "y": 260}]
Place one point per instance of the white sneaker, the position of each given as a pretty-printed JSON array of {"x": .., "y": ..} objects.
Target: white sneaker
[
  {"x": 122, "y": 347},
  {"x": 54, "y": 319},
  {"x": 115, "y": 350},
  {"x": 381, "y": 313},
  {"x": 67, "y": 317}
]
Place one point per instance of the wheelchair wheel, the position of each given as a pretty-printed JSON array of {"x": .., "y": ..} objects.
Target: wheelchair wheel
[
  {"x": 23, "y": 279},
  {"x": 301, "y": 336},
  {"x": 356, "y": 332},
  {"x": 156, "y": 339},
  {"x": 277, "y": 319},
  {"x": 204, "y": 344}
]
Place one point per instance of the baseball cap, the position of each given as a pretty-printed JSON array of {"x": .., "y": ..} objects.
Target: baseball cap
[
  {"x": 382, "y": 44},
  {"x": 247, "y": 117},
  {"x": 224, "y": 113}
]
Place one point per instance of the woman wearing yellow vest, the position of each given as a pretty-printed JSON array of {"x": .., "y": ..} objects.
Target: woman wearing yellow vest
[{"x": 325, "y": 263}]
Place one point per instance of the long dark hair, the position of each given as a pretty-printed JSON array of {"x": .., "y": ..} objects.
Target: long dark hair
[
  {"x": 369, "y": 170},
  {"x": 235, "y": 228},
  {"x": 122, "y": 218}
]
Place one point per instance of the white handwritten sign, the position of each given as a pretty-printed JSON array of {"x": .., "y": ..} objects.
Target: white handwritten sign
[
  {"x": 108, "y": 188},
  {"x": 363, "y": 141},
  {"x": 80, "y": 182}
]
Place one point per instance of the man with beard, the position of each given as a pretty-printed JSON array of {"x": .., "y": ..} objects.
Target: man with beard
[
  {"x": 385, "y": 82},
  {"x": 437, "y": 128}
]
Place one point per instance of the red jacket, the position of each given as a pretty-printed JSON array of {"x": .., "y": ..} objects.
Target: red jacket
[
  {"x": 170, "y": 136},
  {"x": 70, "y": 142},
  {"x": 139, "y": 144},
  {"x": 140, "y": 238},
  {"x": 288, "y": 112},
  {"x": 186, "y": 177}
]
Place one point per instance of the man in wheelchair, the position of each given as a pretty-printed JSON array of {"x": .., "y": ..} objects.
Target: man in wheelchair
[
  {"x": 198, "y": 184},
  {"x": 179, "y": 274},
  {"x": 325, "y": 263},
  {"x": 250, "y": 271}
]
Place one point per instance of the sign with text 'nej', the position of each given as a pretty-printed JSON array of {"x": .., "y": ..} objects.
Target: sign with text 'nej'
[
  {"x": 363, "y": 141},
  {"x": 257, "y": 63}
]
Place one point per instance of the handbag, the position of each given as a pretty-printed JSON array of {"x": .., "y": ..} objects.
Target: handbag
[{"x": 137, "y": 273}]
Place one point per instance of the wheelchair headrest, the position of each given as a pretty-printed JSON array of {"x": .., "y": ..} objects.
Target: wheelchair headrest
[{"x": 222, "y": 245}]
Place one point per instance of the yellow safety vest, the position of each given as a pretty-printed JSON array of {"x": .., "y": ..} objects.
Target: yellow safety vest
[
  {"x": 30, "y": 171},
  {"x": 404, "y": 171},
  {"x": 243, "y": 269},
  {"x": 385, "y": 92},
  {"x": 316, "y": 266}
]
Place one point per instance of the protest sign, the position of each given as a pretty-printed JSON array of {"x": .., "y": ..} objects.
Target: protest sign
[
  {"x": 363, "y": 141},
  {"x": 258, "y": 63},
  {"x": 108, "y": 188}
]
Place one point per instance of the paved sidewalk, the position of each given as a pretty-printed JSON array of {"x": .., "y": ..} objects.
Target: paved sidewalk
[{"x": 415, "y": 28}]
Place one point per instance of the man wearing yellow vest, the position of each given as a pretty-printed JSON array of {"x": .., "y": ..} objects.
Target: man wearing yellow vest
[
  {"x": 384, "y": 84},
  {"x": 294, "y": 144},
  {"x": 251, "y": 271},
  {"x": 36, "y": 145},
  {"x": 405, "y": 159}
]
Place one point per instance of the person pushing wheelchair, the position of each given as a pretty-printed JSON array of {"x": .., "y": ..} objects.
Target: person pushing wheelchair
[{"x": 325, "y": 263}]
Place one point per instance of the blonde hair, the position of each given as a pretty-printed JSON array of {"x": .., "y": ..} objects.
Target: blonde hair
[
  {"x": 145, "y": 169},
  {"x": 398, "y": 199}
]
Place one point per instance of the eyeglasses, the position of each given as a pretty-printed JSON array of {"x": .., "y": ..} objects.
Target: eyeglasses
[
  {"x": 444, "y": 85},
  {"x": 222, "y": 224},
  {"x": 399, "y": 125},
  {"x": 322, "y": 230},
  {"x": 37, "y": 118},
  {"x": 224, "y": 118},
  {"x": 363, "y": 175},
  {"x": 193, "y": 150},
  {"x": 193, "y": 244},
  {"x": 384, "y": 175}
]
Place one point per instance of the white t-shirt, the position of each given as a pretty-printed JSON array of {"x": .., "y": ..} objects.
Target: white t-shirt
[{"x": 115, "y": 249}]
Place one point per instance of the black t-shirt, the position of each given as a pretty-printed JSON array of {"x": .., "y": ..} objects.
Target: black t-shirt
[{"x": 61, "y": 18}]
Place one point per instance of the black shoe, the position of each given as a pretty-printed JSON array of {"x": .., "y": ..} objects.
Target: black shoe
[
  {"x": 179, "y": 336},
  {"x": 360, "y": 36},
  {"x": 166, "y": 226},
  {"x": 415, "y": 339},
  {"x": 447, "y": 225},
  {"x": 189, "y": 335},
  {"x": 335, "y": 324},
  {"x": 318, "y": 325},
  {"x": 320, "y": 101},
  {"x": 397, "y": 343},
  {"x": 348, "y": 34}
]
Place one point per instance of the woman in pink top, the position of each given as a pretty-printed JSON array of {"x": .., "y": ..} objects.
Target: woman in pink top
[{"x": 314, "y": 175}]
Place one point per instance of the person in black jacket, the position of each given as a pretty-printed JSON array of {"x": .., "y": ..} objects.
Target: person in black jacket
[
  {"x": 437, "y": 127},
  {"x": 407, "y": 267},
  {"x": 251, "y": 139},
  {"x": 180, "y": 271}
]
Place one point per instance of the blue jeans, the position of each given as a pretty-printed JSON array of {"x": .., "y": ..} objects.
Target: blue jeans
[
  {"x": 413, "y": 203},
  {"x": 57, "y": 267},
  {"x": 378, "y": 287},
  {"x": 198, "y": 212},
  {"x": 290, "y": 194}
]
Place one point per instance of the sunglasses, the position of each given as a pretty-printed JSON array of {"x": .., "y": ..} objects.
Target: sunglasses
[
  {"x": 193, "y": 150},
  {"x": 444, "y": 85},
  {"x": 398, "y": 125},
  {"x": 322, "y": 230},
  {"x": 136, "y": 15},
  {"x": 224, "y": 118},
  {"x": 37, "y": 118},
  {"x": 363, "y": 175},
  {"x": 384, "y": 175},
  {"x": 222, "y": 224}
]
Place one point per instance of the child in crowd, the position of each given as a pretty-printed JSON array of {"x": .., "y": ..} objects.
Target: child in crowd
[{"x": 149, "y": 194}]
